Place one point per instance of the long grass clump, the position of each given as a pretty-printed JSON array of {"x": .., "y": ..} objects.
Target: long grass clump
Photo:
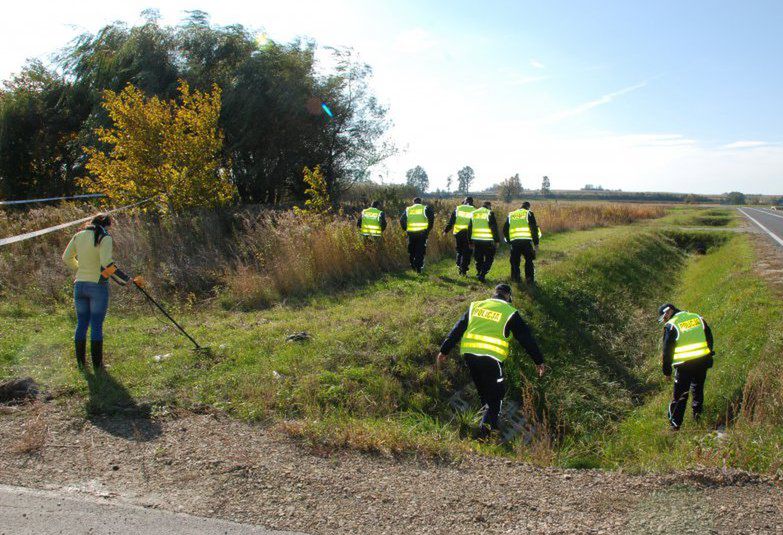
[{"x": 250, "y": 256}]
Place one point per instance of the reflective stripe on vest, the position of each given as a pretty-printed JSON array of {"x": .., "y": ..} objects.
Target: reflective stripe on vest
[
  {"x": 480, "y": 230},
  {"x": 485, "y": 334},
  {"x": 417, "y": 218},
  {"x": 371, "y": 222},
  {"x": 463, "y": 215},
  {"x": 691, "y": 339},
  {"x": 519, "y": 225}
]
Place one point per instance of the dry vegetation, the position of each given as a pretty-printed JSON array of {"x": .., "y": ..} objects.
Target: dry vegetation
[{"x": 250, "y": 257}]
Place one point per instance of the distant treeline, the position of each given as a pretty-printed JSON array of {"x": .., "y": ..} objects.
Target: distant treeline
[
  {"x": 630, "y": 196},
  {"x": 280, "y": 111}
]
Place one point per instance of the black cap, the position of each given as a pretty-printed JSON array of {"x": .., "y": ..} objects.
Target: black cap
[
  {"x": 468, "y": 200},
  {"x": 525, "y": 205},
  {"x": 663, "y": 309},
  {"x": 417, "y": 200},
  {"x": 503, "y": 289}
]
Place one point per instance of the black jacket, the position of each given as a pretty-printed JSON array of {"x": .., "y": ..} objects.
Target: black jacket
[
  {"x": 493, "y": 225},
  {"x": 381, "y": 221},
  {"x": 533, "y": 229},
  {"x": 670, "y": 342},
  {"x": 428, "y": 211},
  {"x": 515, "y": 326}
]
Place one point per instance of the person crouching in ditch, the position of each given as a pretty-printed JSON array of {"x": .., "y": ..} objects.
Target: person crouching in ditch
[
  {"x": 485, "y": 332},
  {"x": 688, "y": 349},
  {"x": 89, "y": 254}
]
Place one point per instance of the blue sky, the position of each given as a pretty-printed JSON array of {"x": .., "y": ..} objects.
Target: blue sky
[{"x": 673, "y": 96}]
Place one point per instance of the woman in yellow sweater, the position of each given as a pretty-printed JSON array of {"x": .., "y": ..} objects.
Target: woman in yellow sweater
[{"x": 89, "y": 254}]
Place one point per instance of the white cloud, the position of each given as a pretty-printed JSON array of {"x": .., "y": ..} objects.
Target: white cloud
[
  {"x": 586, "y": 106},
  {"x": 746, "y": 145},
  {"x": 536, "y": 64}
]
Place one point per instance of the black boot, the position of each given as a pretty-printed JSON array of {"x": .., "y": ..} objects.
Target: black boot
[
  {"x": 96, "y": 349},
  {"x": 81, "y": 353}
]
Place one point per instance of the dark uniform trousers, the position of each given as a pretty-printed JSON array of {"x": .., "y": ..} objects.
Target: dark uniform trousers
[
  {"x": 417, "y": 248},
  {"x": 484, "y": 251},
  {"x": 464, "y": 251},
  {"x": 487, "y": 374},
  {"x": 520, "y": 248},
  {"x": 688, "y": 377}
]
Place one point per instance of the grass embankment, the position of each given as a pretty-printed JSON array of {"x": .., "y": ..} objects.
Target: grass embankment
[
  {"x": 366, "y": 377},
  {"x": 744, "y": 390}
]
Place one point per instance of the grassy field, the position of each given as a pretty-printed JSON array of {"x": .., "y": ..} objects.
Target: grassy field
[{"x": 365, "y": 379}]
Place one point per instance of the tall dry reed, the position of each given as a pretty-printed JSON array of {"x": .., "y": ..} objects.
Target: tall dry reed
[{"x": 250, "y": 256}]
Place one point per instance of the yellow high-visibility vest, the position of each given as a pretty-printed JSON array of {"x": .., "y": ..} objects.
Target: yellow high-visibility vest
[
  {"x": 371, "y": 222},
  {"x": 480, "y": 230},
  {"x": 417, "y": 218},
  {"x": 691, "y": 337},
  {"x": 486, "y": 332}
]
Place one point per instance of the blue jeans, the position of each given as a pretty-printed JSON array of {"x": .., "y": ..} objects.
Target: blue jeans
[{"x": 92, "y": 301}]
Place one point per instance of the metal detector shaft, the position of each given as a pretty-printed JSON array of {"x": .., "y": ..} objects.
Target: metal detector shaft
[{"x": 148, "y": 296}]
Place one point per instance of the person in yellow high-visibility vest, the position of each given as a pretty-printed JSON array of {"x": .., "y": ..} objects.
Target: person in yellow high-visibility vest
[
  {"x": 417, "y": 222},
  {"x": 521, "y": 231},
  {"x": 458, "y": 223},
  {"x": 372, "y": 220},
  {"x": 688, "y": 348},
  {"x": 484, "y": 235},
  {"x": 485, "y": 333}
]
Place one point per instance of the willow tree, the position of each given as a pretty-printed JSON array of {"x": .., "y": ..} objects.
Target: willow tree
[{"x": 163, "y": 149}]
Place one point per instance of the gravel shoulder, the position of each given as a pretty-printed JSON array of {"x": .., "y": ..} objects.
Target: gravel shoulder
[{"x": 210, "y": 465}]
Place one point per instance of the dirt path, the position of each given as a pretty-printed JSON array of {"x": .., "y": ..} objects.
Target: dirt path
[{"x": 213, "y": 466}]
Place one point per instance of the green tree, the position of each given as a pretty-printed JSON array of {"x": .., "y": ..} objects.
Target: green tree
[
  {"x": 465, "y": 177},
  {"x": 161, "y": 148},
  {"x": 510, "y": 188},
  {"x": 735, "y": 197},
  {"x": 271, "y": 116},
  {"x": 40, "y": 115},
  {"x": 417, "y": 178},
  {"x": 546, "y": 186}
]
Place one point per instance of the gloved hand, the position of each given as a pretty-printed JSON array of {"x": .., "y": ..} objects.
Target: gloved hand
[{"x": 138, "y": 280}]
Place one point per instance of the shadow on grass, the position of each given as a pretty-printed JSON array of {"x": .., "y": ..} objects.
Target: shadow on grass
[{"x": 112, "y": 408}]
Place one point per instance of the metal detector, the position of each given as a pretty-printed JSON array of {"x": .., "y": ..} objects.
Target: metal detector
[{"x": 151, "y": 300}]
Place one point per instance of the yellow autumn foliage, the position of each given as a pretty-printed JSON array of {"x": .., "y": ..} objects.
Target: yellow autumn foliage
[
  {"x": 163, "y": 149},
  {"x": 317, "y": 192}
]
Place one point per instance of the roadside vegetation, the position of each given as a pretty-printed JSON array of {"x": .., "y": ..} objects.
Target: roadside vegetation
[
  {"x": 251, "y": 257},
  {"x": 364, "y": 377}
]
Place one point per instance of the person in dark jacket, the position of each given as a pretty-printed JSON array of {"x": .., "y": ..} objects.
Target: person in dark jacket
[
  {"x": 484, "y": 332},
  {"x": 458, "y": 222},
  {"x": 484, "y": 235},
  {"x": 688, "y": 350},
  {"x": 417, "y": 222},
  {"x": 524, "y": 242},
  {"x": 372, "y": 221}
]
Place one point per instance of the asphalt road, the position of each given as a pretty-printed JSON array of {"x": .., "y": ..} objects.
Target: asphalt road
[
  {"x": 768, "y": 221},
  {"x": 25, "y": 511}
]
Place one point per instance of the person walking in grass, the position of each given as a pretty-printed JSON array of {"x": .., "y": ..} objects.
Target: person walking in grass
[
  {"x": 485, "y": 332},
  {"x": 417, "y": 221},
  {"x": 521, "y": 231},
  {"x": 688, "y": 349},
  {"x": 90, "y": 255},
  {"x": 483, "y": 232},
  {"x": 458, "y": 223},
  {"x": 372, "y": 221}
]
